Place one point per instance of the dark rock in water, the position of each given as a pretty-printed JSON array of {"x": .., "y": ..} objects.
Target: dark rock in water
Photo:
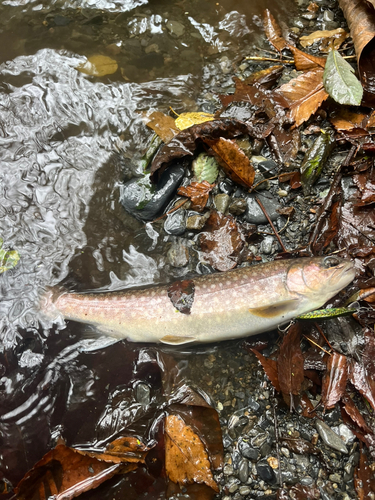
[
  {"x": 175, "y": 222},
  {"x": 268, "y": 168},
  {"x": 254, "y": 213},
  {"x": 145, "y": 200},
  {"x": 266, "y": 472},
  {"x": 246, "y": 450},
  {"x": 243, "y": 470}
]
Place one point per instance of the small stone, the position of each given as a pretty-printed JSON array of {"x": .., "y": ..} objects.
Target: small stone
[
  {"x": 267, "y": 167},
  {"x": 196, "y": 222},
  {"x": 243, "y": 470},
  {"x": 175, "y": 27},
  {"x": 221, "y": 202},
  {"x": 266, "y": 473},
  {"x": 178, "y": 254},
  {"x": 330, "y": 438},
  {"x": 247, "y": 451},
  {"x": 285, "y": 452},
  {"x": 307, "y": 481},
  {"x": 328, "y": 16},
  {"x": 244, "y": 490},
  {"x": 346, "y": 434},
  {"x": 175, "y": 222},
  {"x": 233, "y": 487},
  {"x": 267, "y": 245},
  {"x": 260, "y": 439},
  {"x": 142, "y": 394},
  {"x": 273, "y": 462},
  {"x": 227, "y": 440},
  {"x": 335, "y": 478},
  {"x": 238, "y": 206},
  {"x": 254, "y": 214},
  {"x": 228, "y": 470},
  {"x": 282, "y": 193}
]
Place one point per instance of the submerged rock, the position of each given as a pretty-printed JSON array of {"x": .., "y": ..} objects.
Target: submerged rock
[
  {"x": 146, "y": 201},
  {"x": 254, "y": 213}
]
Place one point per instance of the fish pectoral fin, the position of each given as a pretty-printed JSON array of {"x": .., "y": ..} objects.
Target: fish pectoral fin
[
  {"x": 275, "y": 309},
  {"x": 175, "y": 340}
]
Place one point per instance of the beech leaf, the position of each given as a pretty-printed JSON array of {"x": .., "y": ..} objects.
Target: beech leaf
[
  {"x": 186, "y": 120},
  {"x": 198, "y": 193},
  {"x": 186, "y": 460},
  {"x": 340, "y": 82},
  {"x": 273, "y": 31}
]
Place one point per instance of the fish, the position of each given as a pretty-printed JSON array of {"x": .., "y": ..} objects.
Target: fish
[{"x": 209, "y": 308}]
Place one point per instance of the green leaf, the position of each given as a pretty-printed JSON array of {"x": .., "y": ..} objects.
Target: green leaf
[
  {"x": 205, "y": 168},
  {"x": 340, "y": 82},
  {"x": 8, "y": 258}
]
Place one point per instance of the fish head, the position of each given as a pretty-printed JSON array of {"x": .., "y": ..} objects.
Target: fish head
[{"x": 319, "y": 278}]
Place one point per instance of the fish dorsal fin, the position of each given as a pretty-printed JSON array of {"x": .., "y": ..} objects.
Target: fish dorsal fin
[
  {"x": 175, "y": 340},
  {"x": 275, "y": 309}
]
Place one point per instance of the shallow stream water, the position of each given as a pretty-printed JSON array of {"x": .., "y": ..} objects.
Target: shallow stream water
[{"x": 67, "y": 141}]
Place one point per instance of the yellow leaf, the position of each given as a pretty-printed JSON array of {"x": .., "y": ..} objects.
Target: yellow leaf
[
  {"x": 162, "y": 124},
  {"x": 186, "y": 120},
  {"x": 339, "y": 34},
  {"x": 186, "y": 460},
  {"x": 98, "y": 66}
]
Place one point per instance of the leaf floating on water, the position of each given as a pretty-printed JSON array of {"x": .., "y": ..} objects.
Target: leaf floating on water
[
  {"x": 205, "y": 168},
  {"x": 186, "y": 120},
  {"x": 163, "y": 125},
  {"x": 8, "y": 258},
  {"x": 337, "y": 35},
  {"x": 186, "y": 460},
  {"x": 98, "y": 65},
  {"x": 340, "y": 82},
  {"x": 198, "y": 192},
  {"x": 234, "y": 161}
]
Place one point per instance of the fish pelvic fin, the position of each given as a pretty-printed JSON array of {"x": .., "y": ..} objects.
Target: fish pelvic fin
[
  {"x": 175, "y": 340},
  {"x": 275, "y": 309}
]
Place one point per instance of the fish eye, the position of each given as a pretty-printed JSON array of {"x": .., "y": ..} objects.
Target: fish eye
[{"x": 331, "y": 262}]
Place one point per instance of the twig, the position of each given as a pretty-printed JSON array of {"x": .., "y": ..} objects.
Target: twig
[
  {"x": 271, "y": 224},
  {"x": 317, "y": 345},
  {"x": 322, "y": 334},
  {"x": 259, "y": 58},
  {"x": 171, "y": 210},
  {"x": 279, "y": 232},
  {"x": 260, "y": 182}
]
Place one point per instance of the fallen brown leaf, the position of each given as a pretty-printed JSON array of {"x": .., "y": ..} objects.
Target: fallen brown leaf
[
  {"x": 304, "y": 94},
  {"x": 334, "y": 380},
  {"x": 186, "y": 460},
  {"x": 364, "y": 479},
  {"x": 304, "y": 61},
  {"x": 336, "y": 36},
  {"x": 221, "y": 241},
  {"x": 290, "y": 363},
  {"x": 273, "y": 31},
  {"x": 163, "y": 125},
  {"x": 198, "y": 192},
  {"x": 270, "y": 368},
  {"x": 233, "y": 160}
]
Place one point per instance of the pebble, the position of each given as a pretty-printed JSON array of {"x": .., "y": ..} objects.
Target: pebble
[
  {"x": 244, "y": 490},
  {"x": 335, "y": 478},
  {"x": 142, "y": 394},
  {"x": 243, "y": 470},
  {"x": 178, "y": 254},
  {"x": 254, "y": 214},
  {"x": 233, "y": 487},
  {"x": 175, "y": 27},
  {"x": 228, "y": 470},
  {"x": 175, "y": 222},
  {"x": 259, "y": 439},
  {"x": 328, "y": 16},
  {"x": 238, "y": 206},
  {"x": 266, "y": 473},
  {"x": 330, "y": 438},
  {"x": 221, "y": 202},
  {"x": 138, "y": 197},
  {"x": 346, "y": 434},
  {"x": 266, "y": 246},
  {"x": 195, "y": 222}
]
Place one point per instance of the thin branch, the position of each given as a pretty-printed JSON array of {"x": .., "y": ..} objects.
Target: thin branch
[{"x": 271, "y": 224}]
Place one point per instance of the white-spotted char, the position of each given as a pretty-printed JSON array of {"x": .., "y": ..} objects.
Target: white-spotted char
[{"x": 210, "y": 308}]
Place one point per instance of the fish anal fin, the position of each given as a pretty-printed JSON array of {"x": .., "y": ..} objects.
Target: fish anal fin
[
  {"x": 175, "y": 340},
  {"x": 276, "y": 309}
]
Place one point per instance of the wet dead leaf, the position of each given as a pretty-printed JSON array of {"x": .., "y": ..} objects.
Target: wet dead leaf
[
  {"x": 353, "y": 412},
  {"x": 270, "y": 368},
  {"x": 185, "y": 142},
  {"x": 181, "y": 294},
  {"x": 273, "y": 31},
  {"x": 233, "y": 160},
  {"x": 334, "y": 380},
  {"x": 66, "y": 473},
  {"x": 186, "y": 460},
  {"x": 198, "y": 192},
  {"x": 365, "y": 182},
  {"x": 290, "y": 362},
  {"x": 186, "y": 120},
  {"x": 300, "y": 446},
  {"x": 221, "y": 241},
  {"x": 344, "y": 118},
  {"x": 364, "y": 478},
  {"x": 362, "y": 374},
  {"x": 267, "y": 78},
  {"x": 304, "y": 95},
  {"x": 304, "y": 61},
  {"x": 98, "y": 65},
  {"x": 361, "y": 21},
  {"x": 337, "y": 37},
  {"x": 162, "y": 124}
]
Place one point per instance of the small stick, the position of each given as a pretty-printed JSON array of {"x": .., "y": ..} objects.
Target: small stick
[
  {"x": 271, "y": 223},
  {"x": 317, "y": 345},
  {"x": 259, "y": 58},
  {"x": 279, "y": 232},
  {"x": 171, "y": 210},
  {"x": 322, "y": 334},
  {"x": 277, "y": 438}
]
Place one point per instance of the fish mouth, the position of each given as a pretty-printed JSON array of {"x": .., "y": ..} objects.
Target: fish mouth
[{"x": 344, "y": 273}]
